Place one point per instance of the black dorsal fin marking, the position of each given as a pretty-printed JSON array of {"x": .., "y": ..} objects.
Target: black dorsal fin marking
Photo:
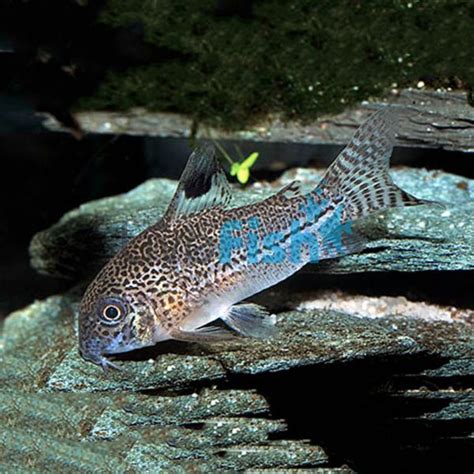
[
  {"x": 360, "y": 173},
  {"x": 203, "y": 184}
]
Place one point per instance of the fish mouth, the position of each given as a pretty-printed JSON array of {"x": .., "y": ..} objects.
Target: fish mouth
[{"x": 98, "y": 358}]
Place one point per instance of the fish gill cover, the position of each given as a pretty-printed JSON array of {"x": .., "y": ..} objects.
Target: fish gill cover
[{"x": 231, "y": 63}]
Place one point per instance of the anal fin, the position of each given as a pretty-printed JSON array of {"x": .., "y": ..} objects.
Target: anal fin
[
  {"x": 341, "y": 243},
  {"x": 251, "y": 320}
]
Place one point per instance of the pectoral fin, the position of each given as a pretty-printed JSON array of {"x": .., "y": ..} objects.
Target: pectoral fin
[{"x": 251, "y": 320}]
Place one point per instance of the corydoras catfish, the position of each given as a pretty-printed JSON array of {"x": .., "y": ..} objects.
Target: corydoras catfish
[{"x": 204, "y": 256}]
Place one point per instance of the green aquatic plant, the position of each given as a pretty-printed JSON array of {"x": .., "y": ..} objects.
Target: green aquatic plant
[
  {"x": 239, "y": 169},
  {"x": 242, "y": 170}
]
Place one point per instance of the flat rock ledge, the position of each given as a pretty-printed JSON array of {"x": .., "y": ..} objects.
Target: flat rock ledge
[
  {"x": 405, "y": 240},
  {"x": 226, "y": 407},
  {"x": 432, "y": 118}
]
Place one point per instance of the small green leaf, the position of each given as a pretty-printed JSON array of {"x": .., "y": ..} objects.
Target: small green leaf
[
  {"x": 243, "y": 175},
  {"x": 234, "y": 169},
  {"x": 250, "y": 160},
  {"x": 242, "y": 170}
]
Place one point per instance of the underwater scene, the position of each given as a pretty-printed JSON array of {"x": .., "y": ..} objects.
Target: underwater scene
[{"x": 237, "y": 236}]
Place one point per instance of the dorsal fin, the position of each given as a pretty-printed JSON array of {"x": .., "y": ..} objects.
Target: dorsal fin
[{"x": 203, "y": 184}]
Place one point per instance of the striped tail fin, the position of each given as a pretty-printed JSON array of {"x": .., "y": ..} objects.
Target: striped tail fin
[
  {"x": 359, "y": 182},
  {"x": 360, "y": 176}
]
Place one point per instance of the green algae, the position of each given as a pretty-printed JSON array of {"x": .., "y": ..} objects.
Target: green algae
[{"x": 300, "y": 58}]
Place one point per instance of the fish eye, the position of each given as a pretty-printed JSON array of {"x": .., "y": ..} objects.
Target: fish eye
[{"x": 112, "y": 311}]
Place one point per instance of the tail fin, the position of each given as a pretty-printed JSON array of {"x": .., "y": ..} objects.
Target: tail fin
[{"x": 360, "y": 176}]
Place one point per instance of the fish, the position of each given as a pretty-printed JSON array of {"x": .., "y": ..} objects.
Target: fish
[{"x": 205, "y": 256}]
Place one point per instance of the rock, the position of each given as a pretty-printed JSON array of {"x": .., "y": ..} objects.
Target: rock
[
  {"x": 210, "y": 408},
  {"x": 50, "y": 426},
  {"x": 305, "y": 338},
  {"x": 437, "y": 119},
  {"x": 428, "y": 237},
  {"x": 388, "y": 364},
  {"x": 78, "y": 433}
]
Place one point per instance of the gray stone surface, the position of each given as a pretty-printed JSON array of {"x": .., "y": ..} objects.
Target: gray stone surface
[
  {"x": 73, "y": 418},
  {"x": 181, "y": 407},
  {"x": 426, "y": 237},
  {"x": 133, "y": 433},
  {"x": 438, "y": 119},
  {"x": 40, "y": 350}
]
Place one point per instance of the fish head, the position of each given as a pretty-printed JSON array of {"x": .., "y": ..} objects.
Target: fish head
[{"x": 113, "y": 319}]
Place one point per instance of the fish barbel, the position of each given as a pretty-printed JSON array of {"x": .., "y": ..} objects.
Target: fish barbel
[{"x": 204, "y": 256}]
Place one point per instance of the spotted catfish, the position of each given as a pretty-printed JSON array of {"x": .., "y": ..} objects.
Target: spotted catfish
[{"x": 204, "y": 256}]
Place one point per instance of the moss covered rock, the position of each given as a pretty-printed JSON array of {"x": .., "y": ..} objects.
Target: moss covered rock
[{"x": 297, "y": 58}]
